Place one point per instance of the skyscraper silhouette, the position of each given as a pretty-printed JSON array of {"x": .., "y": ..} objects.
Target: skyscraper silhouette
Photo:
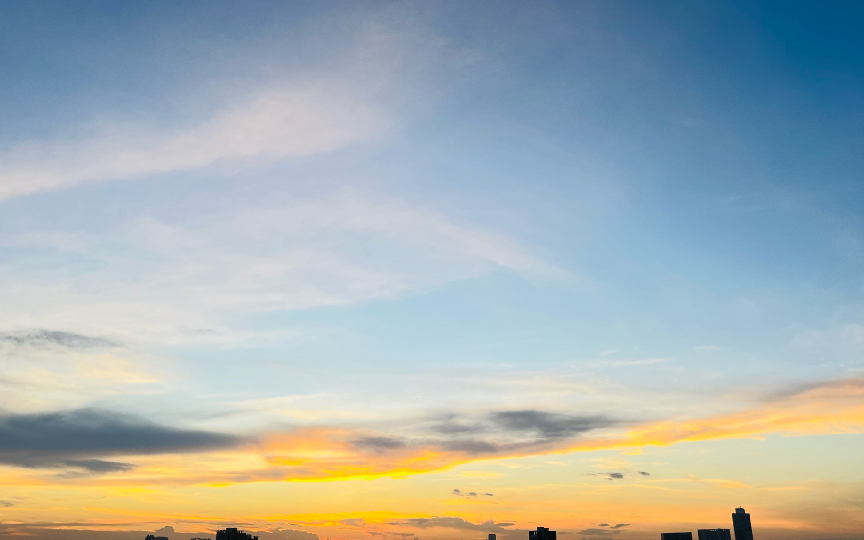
[
  {"x": 714, "y": 534},
  {"x": 231, "y": 533},
  {"x": 676, "y": 536},
  {"x": 542, "y": 533},
  {"x": 741, "y": 524}
]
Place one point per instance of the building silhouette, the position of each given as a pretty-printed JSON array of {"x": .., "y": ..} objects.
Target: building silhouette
[
  {"x": 741, "y": 524},
  {"x": 492, "y": 536},
  {"x": 153, "y": 537},
  {"x": 676, "y": 536},
  {"x": 714, "y": 534},
  {"x": 231, "y": 533},
  {"x": 542, "y": 533}
]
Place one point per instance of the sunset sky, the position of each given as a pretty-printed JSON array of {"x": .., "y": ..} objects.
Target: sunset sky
[{"x": 400, "y": 270}]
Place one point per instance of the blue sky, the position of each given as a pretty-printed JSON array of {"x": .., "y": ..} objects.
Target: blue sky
[
  {"x": 668, "y": 177},
  {"x": 366, "y": 216}
]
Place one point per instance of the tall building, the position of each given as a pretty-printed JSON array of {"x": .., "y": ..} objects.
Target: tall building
[
  {"x": 232, "y": 533},
  {"x": 714, "y": 534},
  {"x": 154, "y": 537},
  {"x": 676, "y": 536},
  {"x": 741, "y": 524},
  {"x": 492, "y": 536},
  {"x": 542, "y": 533}
]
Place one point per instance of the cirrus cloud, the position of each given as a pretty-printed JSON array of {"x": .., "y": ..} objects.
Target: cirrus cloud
[{"x": 275, "y": 124}]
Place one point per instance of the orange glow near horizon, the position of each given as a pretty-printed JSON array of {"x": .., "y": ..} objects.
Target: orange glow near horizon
[
  {"x": 410, "y": 481},
  {"x": 326, "y": 454}
]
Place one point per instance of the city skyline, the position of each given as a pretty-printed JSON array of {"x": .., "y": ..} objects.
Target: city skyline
[
  {"x": 744, "y": 531},
  {"x": 439, "y": 270}
]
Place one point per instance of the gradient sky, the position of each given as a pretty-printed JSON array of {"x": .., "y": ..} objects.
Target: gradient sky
[{"x": 379, "y": 270}]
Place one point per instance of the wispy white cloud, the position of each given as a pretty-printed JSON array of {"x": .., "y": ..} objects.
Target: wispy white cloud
[
  {"x": 270, "y": 125},
  {"x": 159, "y": 277},
  {"x": 41, "y": 370}
]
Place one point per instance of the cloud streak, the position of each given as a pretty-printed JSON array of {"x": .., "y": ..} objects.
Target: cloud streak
[
  {"x": 286, "y": 253},
  {"x": 325, "y": 453},
  {"x": 272, "y": 125},
  {"x": 77, "y": 438},
  {"x": 548, "y": 425},
  {"x": 473, "y": 494},
  {"x": 451, "y": 523},
  {"x": 53, "y": 339},
  {"x": 833, "y": 408}
]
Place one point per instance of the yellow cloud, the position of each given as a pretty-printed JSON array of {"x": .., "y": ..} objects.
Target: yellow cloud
[
  {"x": 328, "y": 454},
  {"x": 332, "y": 453},
  {"x": 830, "y": 408}
]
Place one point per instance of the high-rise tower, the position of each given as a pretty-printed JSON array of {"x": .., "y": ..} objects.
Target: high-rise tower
[
  {"x": 741, "y": 524},
  {"x": 542, "y": 533},
  {"x": 677, "y": 536},
  {"x": 231, "y": 533},
  {"x": 714, "y": 534}
]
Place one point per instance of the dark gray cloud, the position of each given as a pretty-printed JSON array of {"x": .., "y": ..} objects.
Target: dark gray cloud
[
  {"x": 53, "y": 531},
  {"x": 78, "y": 438},
  {"x": 460, "y": 493},
  {"x": 54, "y": 339},
  {"x": 507, "y": 431},
  {"x": 99, "y": 466},
  {"x": 610, "y": 475},
  {"x": 6, "y": 504},
  {"x": 451, "y": 523},
  {"x": 643, "y": 473},
  {"x": 604, "y": 532},
  {"x": 447, "y": 425},
  {"x": 548, "y": 425},
  {"x": 82, "y": 468},
  {"x": 378, "y": 444},
  {"x": 470, "y": 446},
  {"x": 49, "y": 532}
]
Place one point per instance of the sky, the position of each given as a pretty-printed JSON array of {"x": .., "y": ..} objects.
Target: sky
[{"x": 431, "y": 270}]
